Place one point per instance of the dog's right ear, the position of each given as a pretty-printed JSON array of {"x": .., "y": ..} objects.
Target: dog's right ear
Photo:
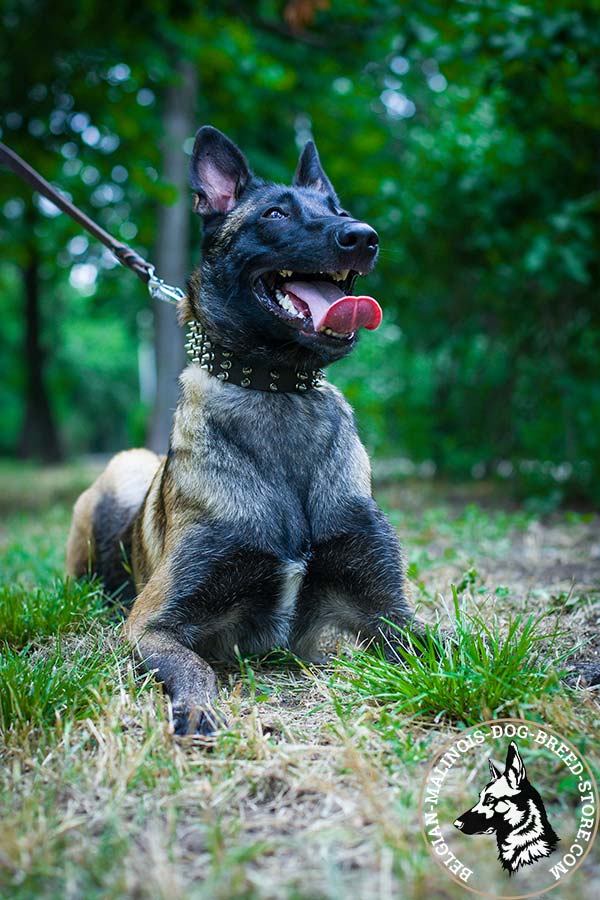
[
  {"x": 218, "y": 172},
  {"x": 495, "y": 772}
]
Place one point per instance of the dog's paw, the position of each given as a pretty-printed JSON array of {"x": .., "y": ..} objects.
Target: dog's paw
[
  {"x": 196, "y": 720},
  {"x": 583, "y": 675},
  {"x": 423, "y": 642}
]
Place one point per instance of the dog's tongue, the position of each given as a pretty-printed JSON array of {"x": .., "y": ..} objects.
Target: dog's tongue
[{"x": 331, "y": 308}]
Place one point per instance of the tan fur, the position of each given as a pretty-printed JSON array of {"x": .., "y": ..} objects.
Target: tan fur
[{"x": 127, "y": 476}]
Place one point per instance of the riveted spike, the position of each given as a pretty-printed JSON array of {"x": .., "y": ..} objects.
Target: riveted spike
[
  {"x": 223, "y": 376},
  {"x": 247, "y": 370},
  {"x": 245, "y": 382},
  {"x": 301, "y": 387},
  {"x": 226, "y": 364},
  {"x": 273, "y": 386},
  {"x": 274, "y": 373}
]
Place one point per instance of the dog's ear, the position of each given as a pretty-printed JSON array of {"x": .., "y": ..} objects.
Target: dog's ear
[
  {"x": 515, "y": 769},
  {"x": 310, "y": 172},
  {"x": 495, "y": 772},
  {"x": 218, "y": 172}
]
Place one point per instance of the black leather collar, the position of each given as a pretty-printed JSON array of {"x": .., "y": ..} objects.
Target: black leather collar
[{"x": 226, "y": 366}]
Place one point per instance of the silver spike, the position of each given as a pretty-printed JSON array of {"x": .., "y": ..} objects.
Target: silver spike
[
  {"x": 223, "y": 376},
  {"x": 273, "y": 386},
  {"x": 245, "y": 382}
]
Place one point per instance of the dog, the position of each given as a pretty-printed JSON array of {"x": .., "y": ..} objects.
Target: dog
[
  {"x": 511, "y": 808},
  {"x": 258, "y": 528}
]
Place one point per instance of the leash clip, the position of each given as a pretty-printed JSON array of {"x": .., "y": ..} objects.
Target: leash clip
[{"x": 160, "y": 290}]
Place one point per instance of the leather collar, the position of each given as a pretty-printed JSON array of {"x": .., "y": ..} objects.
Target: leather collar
[{"x": 227, "y": 366}]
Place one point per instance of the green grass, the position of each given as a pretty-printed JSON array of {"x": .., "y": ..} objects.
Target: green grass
[
  {"x": 311, "y": 790},
  {"x": 64, "y": 605},
  {"x": 483, "y": 669},
  {"x": 41, "y": 689}
]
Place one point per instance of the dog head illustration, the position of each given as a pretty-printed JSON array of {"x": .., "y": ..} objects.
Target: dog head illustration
[{"x": 511, "y": 808}]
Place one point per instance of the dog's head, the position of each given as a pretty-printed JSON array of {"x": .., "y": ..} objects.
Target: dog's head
[
  {"x": 502, "y": 801},
  {"x": 279, "y": 262}
]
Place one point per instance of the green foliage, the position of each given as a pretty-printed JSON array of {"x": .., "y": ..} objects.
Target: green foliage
[
  {"x": 482, "y": 670},
  {"x": 467, "y": 134}
]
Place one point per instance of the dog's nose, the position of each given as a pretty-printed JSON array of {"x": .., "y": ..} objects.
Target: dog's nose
[{"x": 357, "y": 237}]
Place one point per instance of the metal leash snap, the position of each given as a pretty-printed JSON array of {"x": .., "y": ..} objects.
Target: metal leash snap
[{"x": 160, "y": 290}]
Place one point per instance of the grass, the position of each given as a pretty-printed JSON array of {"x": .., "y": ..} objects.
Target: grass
[
  {"x": 311, "y": 790},
  {"x": 63, "y": 605},
  {"x": 38, "y": 689},
  {"x": 482, "y": 669}
]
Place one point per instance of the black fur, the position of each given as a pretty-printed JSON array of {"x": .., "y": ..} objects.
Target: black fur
[
  {"x": 112, "y": 536},
  {"x": 239, "y": 247}
]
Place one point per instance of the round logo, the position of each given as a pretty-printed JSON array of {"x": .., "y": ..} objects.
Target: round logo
[{"x": 509, "y": 809}]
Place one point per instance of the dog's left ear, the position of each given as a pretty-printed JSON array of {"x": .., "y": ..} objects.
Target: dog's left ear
[
  {"x": 515, "y": 769},
  {"x": 218, "y": 172},
  {"x": 310, "y": 172}
]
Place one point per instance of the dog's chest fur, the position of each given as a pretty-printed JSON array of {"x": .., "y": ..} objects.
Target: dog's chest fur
[
  {"x": 280, "y": 466},
  {"x": 279, "y": 471}
]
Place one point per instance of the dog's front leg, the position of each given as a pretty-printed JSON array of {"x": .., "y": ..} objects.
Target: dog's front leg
[
  {"x": 189, "y": 681},
  {"x": 355, "y": 581}
]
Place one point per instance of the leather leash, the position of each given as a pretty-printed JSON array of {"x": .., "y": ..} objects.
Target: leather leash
[{"x": 158, "y": 289}]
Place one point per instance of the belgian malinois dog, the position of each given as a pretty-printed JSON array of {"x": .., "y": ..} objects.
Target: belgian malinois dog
[{"x": 258, "y": 529}]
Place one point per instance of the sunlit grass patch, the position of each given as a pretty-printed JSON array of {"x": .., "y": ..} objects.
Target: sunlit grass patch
[
  {"x": 484, "y": 669},
  {"x": 66, "y": 605},
  {"x": 40, "y": 687}
]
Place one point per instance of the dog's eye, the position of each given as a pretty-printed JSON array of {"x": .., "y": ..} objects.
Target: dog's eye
[
  {"x": 342, "y": 212},
  {"x": 274, "y": 213}
]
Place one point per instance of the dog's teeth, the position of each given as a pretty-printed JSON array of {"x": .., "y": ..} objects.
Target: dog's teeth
[
  {"x": 344, "y": 273},
  {"x": 285, "y": 273},
  {"x": 285, "y": 302}
]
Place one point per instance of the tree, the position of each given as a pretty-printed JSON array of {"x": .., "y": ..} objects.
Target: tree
[{"x": 172, "y": 248}]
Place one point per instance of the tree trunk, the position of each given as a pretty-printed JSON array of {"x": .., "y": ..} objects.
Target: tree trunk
[
  {"x": 39, "y": 437},
  {"x": 172, "y": 258}
]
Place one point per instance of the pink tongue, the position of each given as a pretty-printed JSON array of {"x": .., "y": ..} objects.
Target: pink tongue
[{"x": 330, "y": 308}]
